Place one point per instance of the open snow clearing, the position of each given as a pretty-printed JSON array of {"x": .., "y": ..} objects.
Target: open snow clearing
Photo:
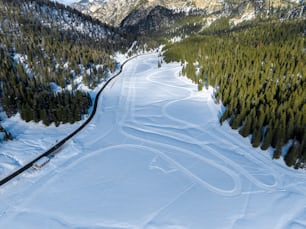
[{"x": 155, "y": 156}]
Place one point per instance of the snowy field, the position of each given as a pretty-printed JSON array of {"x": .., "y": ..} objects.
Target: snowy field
[
  {"x": 30, "y": 139},
  {"x": 67, "y": 2},
  {"x": 155, "y": 157}
]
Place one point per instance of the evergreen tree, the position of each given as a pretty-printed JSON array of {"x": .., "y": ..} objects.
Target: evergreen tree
[
  {"x": 267, "y": 138},
  {"x": 292, "y": 154}
]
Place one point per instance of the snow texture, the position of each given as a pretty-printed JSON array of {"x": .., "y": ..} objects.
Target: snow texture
[
  {"x": 67, "y": 2},
  {"x": 154, "y": 156}
]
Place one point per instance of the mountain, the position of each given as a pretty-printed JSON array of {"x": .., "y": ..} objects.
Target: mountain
[
  {"x": 113, "y": 12},
  {"x": 48, "y": 53},
  {"x": 151, "y": 20}
]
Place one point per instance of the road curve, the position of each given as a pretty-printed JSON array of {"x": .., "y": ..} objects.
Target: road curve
[{"x": 63, "y": 141}]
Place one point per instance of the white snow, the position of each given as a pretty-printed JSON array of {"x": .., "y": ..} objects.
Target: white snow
[
  {"x": 155, "y": 156},
  {"x": 176, "y": 39},
  {"x": 67, "y": 2},
  {"x": 30, "y": 140},
  {"x": 243, "y": 18},
  {"x": 209, "y": 21}
]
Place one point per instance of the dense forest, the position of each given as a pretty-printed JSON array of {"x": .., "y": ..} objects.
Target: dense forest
[
  {"x": 258, "y": 71},
  {"x": 46, "y": 51}
]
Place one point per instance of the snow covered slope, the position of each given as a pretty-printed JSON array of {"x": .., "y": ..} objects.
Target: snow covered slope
[{"x": 155, "y": 156}]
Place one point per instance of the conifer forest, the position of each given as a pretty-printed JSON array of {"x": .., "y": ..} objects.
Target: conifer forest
[
  {"x": 258, "y": 72},
  {"x": 45, "y": 48}
]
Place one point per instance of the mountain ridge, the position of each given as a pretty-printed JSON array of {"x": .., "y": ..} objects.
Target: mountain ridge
[{"x": 113, "y": 12}]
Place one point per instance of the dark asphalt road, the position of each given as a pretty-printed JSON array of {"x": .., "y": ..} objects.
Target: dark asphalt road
[{"x": 63, "y": 141}]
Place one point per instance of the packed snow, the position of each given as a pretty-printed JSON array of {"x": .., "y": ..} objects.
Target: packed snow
[
  {"x": 67, "y": 2},
  {"x": 30, "y": 140},
  {"x": 155, "y": 156}
]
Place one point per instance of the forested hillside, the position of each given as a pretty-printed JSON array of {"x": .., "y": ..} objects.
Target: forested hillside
[
  {"x": 258, "y": 72},
  {"x": 47, "y": 50}
]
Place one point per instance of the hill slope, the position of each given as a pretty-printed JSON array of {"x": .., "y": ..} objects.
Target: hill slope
[
  {"x": 48, "y": 51},
  {"x": 258, "y": 72}
]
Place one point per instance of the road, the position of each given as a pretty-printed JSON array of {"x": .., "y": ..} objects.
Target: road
[{"x": 58, "y": 145}]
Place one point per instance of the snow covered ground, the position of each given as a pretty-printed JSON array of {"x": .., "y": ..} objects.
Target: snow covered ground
[
  {"x": 155, "y": 156},
  {"x": 30, "y": 140},
  {"x": 67, "y": 2}
]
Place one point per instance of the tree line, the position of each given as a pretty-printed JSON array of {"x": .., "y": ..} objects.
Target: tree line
[
  {"x": 45, "y": 44},
  {"x": 259, "y": 75}
]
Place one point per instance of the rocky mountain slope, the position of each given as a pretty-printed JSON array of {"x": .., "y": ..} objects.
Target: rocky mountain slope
[{"x": 114, "y": 11}]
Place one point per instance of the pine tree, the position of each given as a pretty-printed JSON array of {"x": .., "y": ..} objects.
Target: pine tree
[
  {"x": 256, "y": 137},
  {"x": 246, "y": 128},
  {"x": 267, "y": 138},
  {"x": 277, "y": 152},
  {"x": 292, "y": 154},
  {"x": 44, "y": 117}
]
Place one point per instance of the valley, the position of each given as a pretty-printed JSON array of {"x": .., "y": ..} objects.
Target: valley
[
  {"x": 144, "y": 162},
  {"x": 207, "y": 96}
]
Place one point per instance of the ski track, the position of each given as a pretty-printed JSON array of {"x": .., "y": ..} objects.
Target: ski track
[
  {"x": 170, "y": 139},
  {"x": 189, "y": 140},
  {"x": 145, "y": 130}
]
